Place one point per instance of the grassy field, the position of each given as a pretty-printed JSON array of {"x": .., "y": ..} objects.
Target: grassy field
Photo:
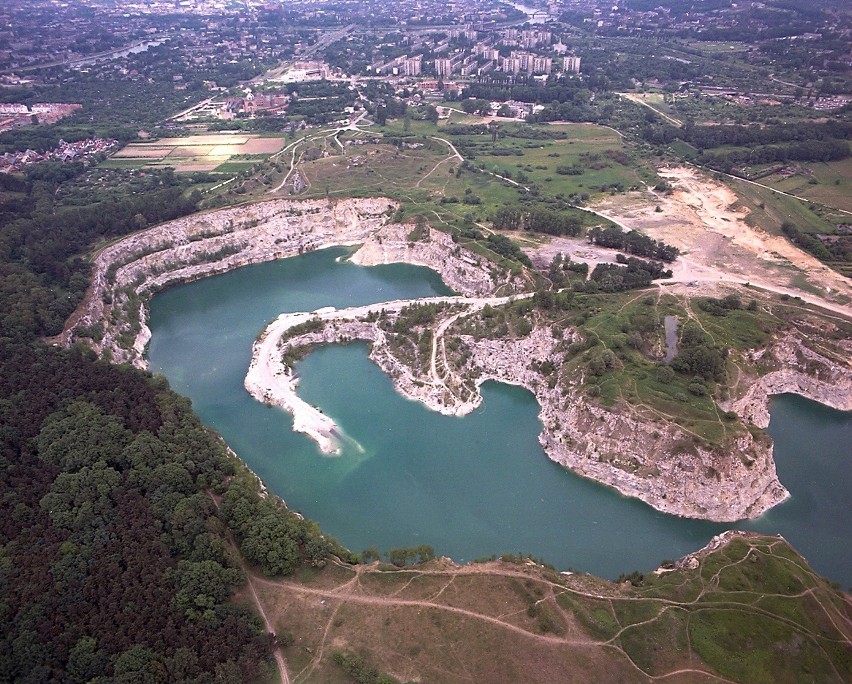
[
  {"x": 769, "y": 210},
  {"x": 829, "y": 183},
  {"x": 594, "y": 153},
  {"x": 419, "y": 167},
  {"x": 750, "y": 611}
]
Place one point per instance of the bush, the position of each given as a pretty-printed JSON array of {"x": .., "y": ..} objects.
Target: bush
[
  {"x": 665, "y": 375},
  {"x": 699, "y": 389}
]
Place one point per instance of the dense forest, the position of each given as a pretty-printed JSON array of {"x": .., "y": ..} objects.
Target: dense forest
[
  {"x": 118, "y": 550},
  {"x": 631, "y": 274},
  {"x": 42, "y": 275},
  {"x": 113, "y": 564}
]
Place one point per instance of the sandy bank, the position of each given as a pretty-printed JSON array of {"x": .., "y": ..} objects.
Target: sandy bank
[{"x": 269, "y": 380}]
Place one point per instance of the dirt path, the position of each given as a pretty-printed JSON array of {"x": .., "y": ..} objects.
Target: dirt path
[
  {"x": 279, "y": 658},
  {"x": 295, "y": 146},
  {"x": 352, "y": 591},
  {"x": 434, "y": 168},
  {"x": 438, "y": 337},
  {"x": 326, "y": 133},
  {"x": 637, "y": 99},
  {"x": 355, "y": 597},
  {"x": 451, "y": 146}
]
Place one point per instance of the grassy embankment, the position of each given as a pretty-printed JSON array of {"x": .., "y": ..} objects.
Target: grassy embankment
[
  {"x": 615, "y": 342},
  {"x": 751, "y": 611}
]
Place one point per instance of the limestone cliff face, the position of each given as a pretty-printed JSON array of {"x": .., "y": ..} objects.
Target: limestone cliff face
[
  {"x": 127, "y": 272},
  {"x": 391, "y": 244},
  {"x": 654, "y": 461},
  {"x": 799, "y": 370}
]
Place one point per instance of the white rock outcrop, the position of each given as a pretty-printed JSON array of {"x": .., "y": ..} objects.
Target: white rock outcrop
[
  {"x": 655, "y": 461},
  {"x": 128, "y": 271}
]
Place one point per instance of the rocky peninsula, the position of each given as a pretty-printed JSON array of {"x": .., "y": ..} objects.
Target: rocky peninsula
[{"x": 656, "y": 461}]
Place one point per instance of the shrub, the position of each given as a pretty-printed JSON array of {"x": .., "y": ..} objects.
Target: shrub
[
  {"x": 699, "y": 389},
  {"x": 665, "y": 375}
]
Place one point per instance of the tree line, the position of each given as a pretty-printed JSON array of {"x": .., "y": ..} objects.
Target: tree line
[
  {"x": 563, "y": 90},
  {"x": 633, "y": 242},
  {"x": 757, "y": 144},
  {"x": 706, "y": 137},
  {"x": 812, "y": 150},
  {"x": 536, "y": 219},
  {"x": 114, "y": 565}
]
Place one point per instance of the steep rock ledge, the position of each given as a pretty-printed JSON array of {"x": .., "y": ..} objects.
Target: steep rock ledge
[
  {"x": 802, "y": 371},
  {"x": 463, "y": 271},
  {"x": 655, "y": 461},
  {"x": 129, "y": 271}
]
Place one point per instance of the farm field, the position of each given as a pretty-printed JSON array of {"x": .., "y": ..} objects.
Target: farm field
[{"x": 197, "y": 153}]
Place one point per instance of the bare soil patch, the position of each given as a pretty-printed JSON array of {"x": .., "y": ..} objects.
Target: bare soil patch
[
  {"x": 220, "y": 139},
  {"x": 577, "y": 249},
  {"x": 199, "y": 152},
  {"x": 194, "y": 151},
  {"x": 190, "y": 168},
  {"x": 703, "y": 219},
  {"x": 262, "y": 146},
  {"x": 143, "y": 152}
]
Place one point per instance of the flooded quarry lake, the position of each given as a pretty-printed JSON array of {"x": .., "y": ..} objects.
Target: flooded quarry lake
[{"x": 471, "y": 487}]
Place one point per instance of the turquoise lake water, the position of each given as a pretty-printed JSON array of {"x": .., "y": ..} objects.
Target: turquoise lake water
[{"x": 473, "y": 486}]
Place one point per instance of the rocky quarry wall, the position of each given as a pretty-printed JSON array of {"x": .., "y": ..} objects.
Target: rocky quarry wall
[
  {"x": 129, "y": 271},
  {"x": 655, "y": 461}
]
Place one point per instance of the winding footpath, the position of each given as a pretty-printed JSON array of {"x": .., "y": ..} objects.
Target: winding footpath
[{"x": 394, "y": 596}]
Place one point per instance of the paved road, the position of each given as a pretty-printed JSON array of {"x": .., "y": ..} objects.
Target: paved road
[{"x": 323, "y": 42}]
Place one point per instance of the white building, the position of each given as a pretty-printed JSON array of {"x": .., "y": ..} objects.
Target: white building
[{"x": 571, "y": 64}]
